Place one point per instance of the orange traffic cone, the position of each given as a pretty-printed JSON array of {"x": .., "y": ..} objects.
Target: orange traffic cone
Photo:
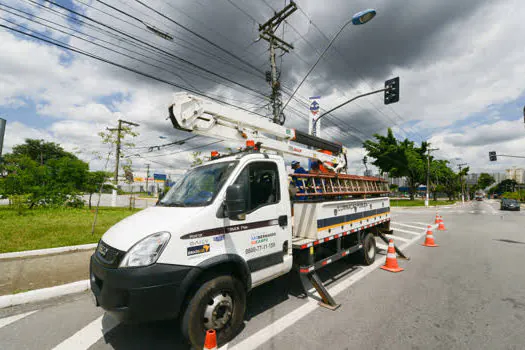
[
  {"x": 441, "y": 226},
  {"x": 437, "y": 219},
  {"x": 210, "y": 343},
  {"x": 429, "y": 240},
  {"x": 391, "y": 259}
]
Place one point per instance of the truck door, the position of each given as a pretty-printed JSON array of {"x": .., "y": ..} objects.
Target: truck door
[{"x": 265, "y": 241}]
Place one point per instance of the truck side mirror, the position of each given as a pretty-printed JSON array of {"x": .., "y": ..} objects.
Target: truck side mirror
[{"x": 235, "y": 202}]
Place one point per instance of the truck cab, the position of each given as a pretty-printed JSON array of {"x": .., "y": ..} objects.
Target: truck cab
[{"x": 224, "y": 228}]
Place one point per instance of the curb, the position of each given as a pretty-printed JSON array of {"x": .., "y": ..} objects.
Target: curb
[
  {"x": 43, "y": 294},
  {"x": 37, "y": 252}
]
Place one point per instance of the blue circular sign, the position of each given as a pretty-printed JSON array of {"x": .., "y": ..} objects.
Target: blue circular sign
[{"x": 314, "y": 107}]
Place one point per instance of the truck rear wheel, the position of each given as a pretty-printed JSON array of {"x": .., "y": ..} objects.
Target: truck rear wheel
[
  {"x": 218, "y": 304},
  {"x": 368, "y": 252}
]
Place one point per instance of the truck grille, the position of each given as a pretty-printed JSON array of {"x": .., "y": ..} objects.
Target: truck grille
[{"x": 108, "y": 256}]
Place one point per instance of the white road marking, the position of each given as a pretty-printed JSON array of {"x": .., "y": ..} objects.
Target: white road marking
[
  {"x": 381, "y": 246},
  {"x": 397, "y": 238},
  {"x": 88, "y": 335},
  {"x": 406, "y": 231},
  {"x": 426, "y": 225},
  {"x": 284, "y": 322},
  {"x": 8, "y": 320},
  {"x": 418, "y": 227}
]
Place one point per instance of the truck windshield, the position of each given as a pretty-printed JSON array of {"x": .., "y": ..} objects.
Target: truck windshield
[{"x": 198, "y": 186}]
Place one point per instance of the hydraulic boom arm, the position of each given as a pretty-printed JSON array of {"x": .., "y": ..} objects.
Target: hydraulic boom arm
[{"x": 208, "y": 118}]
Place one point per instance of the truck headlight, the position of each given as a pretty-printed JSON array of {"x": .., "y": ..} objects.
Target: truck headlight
[{"x": 146, "y": 251}]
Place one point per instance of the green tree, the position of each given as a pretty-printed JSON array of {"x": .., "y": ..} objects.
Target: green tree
[
  {"x": 399, "y": 158},
  {"x": 196, "y": 158},
  {"x": 485, "y": 180},
  {"x": 508, "y": 185},
  {"x": 111, "y": 137},
  {"x": 44, "y": 173},
  {"x": 443, "y": 179},
  {"x": 41, "y": 151},
  {"x": 95, "y": 179}
]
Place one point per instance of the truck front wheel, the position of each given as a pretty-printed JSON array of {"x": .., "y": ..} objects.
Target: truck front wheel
[
  {"x": 368, "y": 252},
  {"x": 218, "y": 304}
]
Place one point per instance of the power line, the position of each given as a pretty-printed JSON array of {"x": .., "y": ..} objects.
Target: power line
[
  {"x": 76, "y": 50},
  {"x": 181, "y": 151},
  {"x": 178, "y": 142},
  {"x": 154, "y": 47},
  {"x": 108, "y": 48},
  {"x": 194, "y": 72},
  {"x": 199, "y": 36},
  {"x": 193, "y": 47}
]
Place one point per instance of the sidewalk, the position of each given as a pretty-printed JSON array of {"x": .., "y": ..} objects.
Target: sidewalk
[{"x": 35, "y": 272}]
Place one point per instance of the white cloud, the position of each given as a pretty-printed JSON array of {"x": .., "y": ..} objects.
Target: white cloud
[{"x": 478, "y": 64}]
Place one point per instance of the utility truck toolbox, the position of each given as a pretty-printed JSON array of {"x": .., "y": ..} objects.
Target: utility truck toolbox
[
  {"x": 235, "y": 222},
  {"x": 318, "y": 220}
]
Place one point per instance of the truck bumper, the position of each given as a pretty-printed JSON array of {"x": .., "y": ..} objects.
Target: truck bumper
[{"x": 140, "y": 294}]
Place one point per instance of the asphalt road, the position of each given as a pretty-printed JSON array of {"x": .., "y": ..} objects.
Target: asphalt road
[{"x": 468, "y": 293}]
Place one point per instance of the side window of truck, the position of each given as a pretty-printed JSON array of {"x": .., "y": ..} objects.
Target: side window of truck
[{"x": 260, "y": 181}]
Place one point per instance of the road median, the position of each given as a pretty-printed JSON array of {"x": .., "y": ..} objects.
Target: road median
[{"x": 44, "y": 268}]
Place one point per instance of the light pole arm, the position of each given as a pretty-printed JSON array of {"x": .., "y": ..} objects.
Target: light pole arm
[
  {"x": 315, "y": 64},
  {"x": 345, "y": 103}
]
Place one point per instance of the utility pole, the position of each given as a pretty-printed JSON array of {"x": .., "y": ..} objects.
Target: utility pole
[
  {"x": 267, "y": 32},
  {"x": 428, "y": 173},
  {"x": 147, "y": 178},
  {"x": 460, "y": 166},
  {"x": 2, "y": 133},
  {"x": 117, "y": 155}
]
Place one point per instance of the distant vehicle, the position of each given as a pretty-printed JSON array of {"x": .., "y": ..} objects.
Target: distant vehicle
[
  {"x": 479, "y": 198},
  {"x": 510, "y": 204}
]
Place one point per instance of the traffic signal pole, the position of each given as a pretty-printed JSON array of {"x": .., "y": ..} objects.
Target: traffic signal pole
[
  {"x": 428, "y": 174},
  {"x": 391, "y": 90}
]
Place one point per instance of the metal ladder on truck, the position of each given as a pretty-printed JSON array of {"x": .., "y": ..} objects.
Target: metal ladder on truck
[{"x": 323, "y": 185}]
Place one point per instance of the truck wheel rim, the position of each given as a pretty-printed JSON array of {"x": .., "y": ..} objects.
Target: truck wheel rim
[
  {"x": 371, "y": 251},
  {"x": 218, "y": 311}
]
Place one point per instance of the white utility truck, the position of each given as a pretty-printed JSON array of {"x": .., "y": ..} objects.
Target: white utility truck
[{"x": 234, "y": 223}]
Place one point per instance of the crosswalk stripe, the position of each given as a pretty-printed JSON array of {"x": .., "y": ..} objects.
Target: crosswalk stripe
[
  {"x": 406, "y": 231},
  {"x": 381, "y": 246},
  {"x": 420, "y": 223},
  {"x": 397, "y": 238},
  {"x": 8, "y": 320},
  {"x": 88, "y": 335},
  {"x": 418, "y": 227}
]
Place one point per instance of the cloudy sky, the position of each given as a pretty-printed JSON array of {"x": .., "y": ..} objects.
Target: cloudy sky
[{"x": 460, "y": 64}]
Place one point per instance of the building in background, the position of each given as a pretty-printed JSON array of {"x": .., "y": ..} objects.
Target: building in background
[
  {"x": 516, "y": 174},
  {"x": 498, "y": 177},
  {"x": 472, "y": 179},
  {"x": 398, "y": 181}
]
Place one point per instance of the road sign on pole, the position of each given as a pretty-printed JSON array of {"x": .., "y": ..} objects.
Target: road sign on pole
[{"x": 314, "y": 114}]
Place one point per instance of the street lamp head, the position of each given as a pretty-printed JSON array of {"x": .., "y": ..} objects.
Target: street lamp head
[{"x": 363, "y": 16}]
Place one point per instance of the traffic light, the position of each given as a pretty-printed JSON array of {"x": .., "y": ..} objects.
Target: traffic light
[
  {"x": 492, "y": 156},
  {"x": 392, "y": 90}
]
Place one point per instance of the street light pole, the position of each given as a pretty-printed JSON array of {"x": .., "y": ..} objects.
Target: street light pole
[
  {"x": 428, "y": 174},
  {"x": 461, "y": 182}
]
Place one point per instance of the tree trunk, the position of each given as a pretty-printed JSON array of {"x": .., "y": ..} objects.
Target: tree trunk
[{"x": 90, "y": 195}]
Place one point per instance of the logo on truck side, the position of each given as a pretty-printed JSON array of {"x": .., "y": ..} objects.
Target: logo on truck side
[{"x": 198, "y": 249}]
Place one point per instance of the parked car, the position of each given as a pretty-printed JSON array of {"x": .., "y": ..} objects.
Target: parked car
[{"x": 509, "y": 204}]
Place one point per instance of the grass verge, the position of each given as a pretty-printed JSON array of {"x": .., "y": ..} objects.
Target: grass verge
[
  {"x": 417, "y": 203},
  {"x": 49, "y": 228}
]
